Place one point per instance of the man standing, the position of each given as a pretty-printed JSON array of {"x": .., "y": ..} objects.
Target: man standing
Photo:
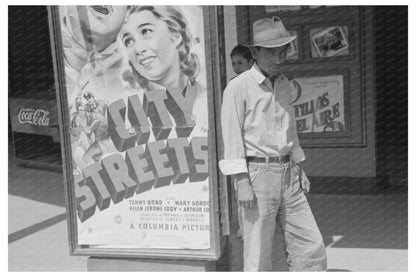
[{"x": 263, "y": 155}]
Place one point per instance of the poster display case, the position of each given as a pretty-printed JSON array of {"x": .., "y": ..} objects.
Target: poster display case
[
  {"x": 326, "y": 69},
  {"x": 137, "y": 117}
]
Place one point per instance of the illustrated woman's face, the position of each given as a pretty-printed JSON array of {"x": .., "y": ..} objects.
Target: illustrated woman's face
[{"x": 151, "y": 47}]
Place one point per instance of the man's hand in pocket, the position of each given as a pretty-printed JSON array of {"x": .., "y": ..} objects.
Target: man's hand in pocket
[{"x": 303, "y": 179}]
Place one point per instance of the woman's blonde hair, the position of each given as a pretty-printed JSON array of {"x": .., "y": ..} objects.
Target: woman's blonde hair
[{"x": 176, "y": 22}]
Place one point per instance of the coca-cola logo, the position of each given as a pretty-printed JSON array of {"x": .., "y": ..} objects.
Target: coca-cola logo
[{"x": 37, "y": 117}]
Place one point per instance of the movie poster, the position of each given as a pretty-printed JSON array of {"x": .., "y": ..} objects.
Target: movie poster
[
  {"x": 318, "y": 104},
  {"x": 137, "y": 92}
]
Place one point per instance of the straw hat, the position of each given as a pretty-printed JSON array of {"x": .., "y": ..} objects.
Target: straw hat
[{"x": 270, "y": 32}]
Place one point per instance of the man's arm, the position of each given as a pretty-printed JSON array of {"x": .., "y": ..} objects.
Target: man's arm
[
  {"x": 234, "y": 163},
  {"x": 232, "y": 124}
]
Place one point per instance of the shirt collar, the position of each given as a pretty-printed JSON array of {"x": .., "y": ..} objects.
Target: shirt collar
[
  {"x": 259, "y": 76},
  {"x": 256, "y": 74}
]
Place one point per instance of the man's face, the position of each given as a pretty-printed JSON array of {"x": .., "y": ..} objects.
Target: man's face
[{"x": 270, "y": 59}]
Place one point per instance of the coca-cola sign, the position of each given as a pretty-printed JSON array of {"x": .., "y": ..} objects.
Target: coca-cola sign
[{"x": 37, "y": 117}]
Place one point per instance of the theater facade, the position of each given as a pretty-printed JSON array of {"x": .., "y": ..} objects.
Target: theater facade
[{"x": 139, "y": 154}]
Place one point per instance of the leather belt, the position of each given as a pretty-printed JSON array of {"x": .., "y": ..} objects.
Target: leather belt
[{"x": 282, "y": 159}]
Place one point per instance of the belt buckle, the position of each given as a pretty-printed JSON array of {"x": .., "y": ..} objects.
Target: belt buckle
[
  {"x": 290, "y": 158},
  {"x": 267, "y": 159}
]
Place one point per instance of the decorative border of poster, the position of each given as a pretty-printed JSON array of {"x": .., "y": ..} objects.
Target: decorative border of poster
[
  {"x": 321, "y": 103},
  {"x": 135, "y": 102}
]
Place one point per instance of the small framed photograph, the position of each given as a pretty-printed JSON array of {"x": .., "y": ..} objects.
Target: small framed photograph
[
  {"x": 282, "y": 8},
  {"x": 293, "y": 50},
  {"x": 329, "y": 42},
  {"x": 290, "y": 8}
]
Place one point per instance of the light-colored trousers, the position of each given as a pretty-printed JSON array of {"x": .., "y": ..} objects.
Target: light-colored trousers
[{"x": 278, "y": 192}]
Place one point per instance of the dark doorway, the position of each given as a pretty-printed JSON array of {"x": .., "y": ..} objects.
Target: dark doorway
[{"x": 391, "y": 74}]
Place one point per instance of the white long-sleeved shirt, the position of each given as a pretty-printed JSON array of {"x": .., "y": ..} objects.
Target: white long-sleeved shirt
[{"x": 257, "y": 121}]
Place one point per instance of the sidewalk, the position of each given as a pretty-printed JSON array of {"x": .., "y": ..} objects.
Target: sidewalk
[
  {"x": 361, "y": 232},
  {"x": 38, "y": 237}
]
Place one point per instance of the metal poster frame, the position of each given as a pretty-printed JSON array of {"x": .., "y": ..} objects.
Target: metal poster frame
[{"x": 210, "y": 17}]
